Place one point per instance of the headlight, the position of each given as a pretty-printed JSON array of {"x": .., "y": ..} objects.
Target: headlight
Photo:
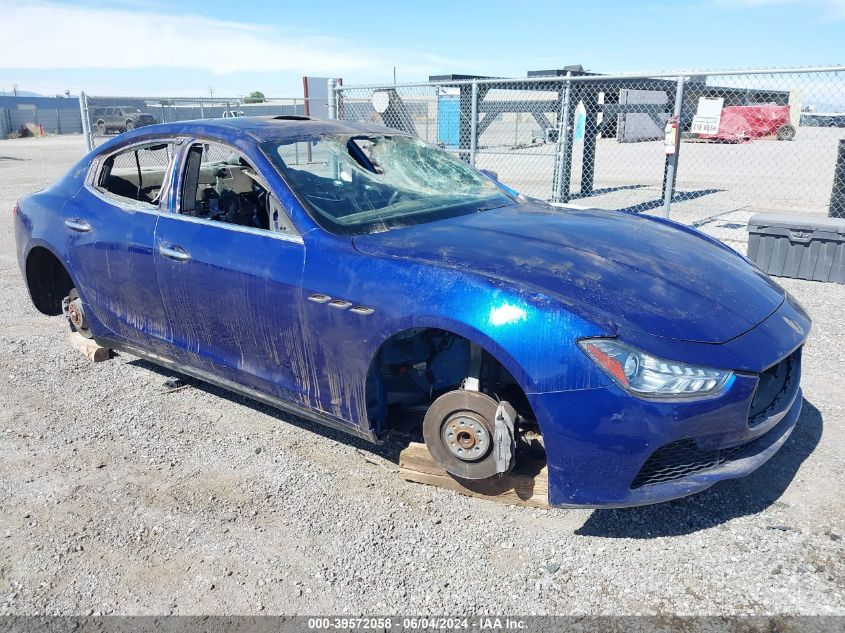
[{"x": 645, "y": 375}]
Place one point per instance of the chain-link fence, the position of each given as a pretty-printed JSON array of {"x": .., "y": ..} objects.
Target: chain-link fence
[
  {"x": 714, "y": 147},
  {"x": 103, "y": 117}
]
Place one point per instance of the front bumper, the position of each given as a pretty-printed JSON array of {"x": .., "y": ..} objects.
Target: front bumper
[
  {"x": 606, "y": 477},
  {"x": 606, "y": 448}
]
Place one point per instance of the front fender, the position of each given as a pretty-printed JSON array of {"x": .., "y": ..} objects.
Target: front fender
[{"x": 529, "y": 333}]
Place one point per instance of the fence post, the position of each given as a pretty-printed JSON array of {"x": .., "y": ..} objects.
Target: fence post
[
  {"x": 202, "y": 109},
  {"x": 331, "y": 105},
  {"x": 331, "y": 112},
  {"x": 672, "y": 159},
  {"x": 837, "y": 193},
  {"x": 562, "y": 147},
  {"x": 86, "y": 123},
  {"x": 473, "y": 123}
]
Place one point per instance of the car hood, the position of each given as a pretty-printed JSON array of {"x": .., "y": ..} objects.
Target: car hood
[{"x": 623, "y": 270}]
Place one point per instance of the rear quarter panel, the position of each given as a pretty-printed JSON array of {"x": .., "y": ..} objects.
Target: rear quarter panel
[{"x": 39, "y": 218}]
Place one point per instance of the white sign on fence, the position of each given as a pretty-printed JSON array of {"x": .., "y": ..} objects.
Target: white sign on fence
[{"x": 706, "y": 119}]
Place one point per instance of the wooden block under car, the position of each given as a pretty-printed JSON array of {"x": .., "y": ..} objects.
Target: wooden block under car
[
  {"x": 526, "y": 485},
  {"x": 89, "y": 348}
]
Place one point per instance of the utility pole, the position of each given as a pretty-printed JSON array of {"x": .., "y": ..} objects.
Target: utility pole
[
  {"x": 15, "y": 89},
  {"x": 211, "y": 91}
]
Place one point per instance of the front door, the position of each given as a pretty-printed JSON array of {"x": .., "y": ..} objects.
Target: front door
[{"x": 229, "y": 273}]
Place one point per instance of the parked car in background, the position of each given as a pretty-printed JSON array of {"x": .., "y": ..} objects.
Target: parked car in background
[
  {"x": 115, "y": 119},
  {"x": 230, "y": 114},
  {"x": 358, "y": 277}
]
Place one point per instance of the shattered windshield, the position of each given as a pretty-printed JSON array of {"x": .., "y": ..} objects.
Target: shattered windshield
[{"x": 365, "y": 183}]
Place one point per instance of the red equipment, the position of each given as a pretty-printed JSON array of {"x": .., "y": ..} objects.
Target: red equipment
[{"x": 740, "y": 124}]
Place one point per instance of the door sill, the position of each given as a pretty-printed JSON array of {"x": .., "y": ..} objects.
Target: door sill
[{"x": 254, "y": 394}]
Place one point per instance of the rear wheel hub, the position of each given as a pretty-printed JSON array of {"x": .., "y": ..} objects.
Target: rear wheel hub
[{"x": 76, "y": 315}]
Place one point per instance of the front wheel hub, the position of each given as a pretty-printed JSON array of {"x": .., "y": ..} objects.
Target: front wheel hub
[
  {"x": 466, "y": 437},
  {"x": 458, "y": 429}
]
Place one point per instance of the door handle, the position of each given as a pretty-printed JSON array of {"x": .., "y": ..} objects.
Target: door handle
[
  {"x": 177, "y": 253},
  {"x": 80, "y": 226}
]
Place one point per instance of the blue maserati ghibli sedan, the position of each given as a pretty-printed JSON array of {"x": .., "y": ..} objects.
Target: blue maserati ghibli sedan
[{"x": 360, "y": 278}]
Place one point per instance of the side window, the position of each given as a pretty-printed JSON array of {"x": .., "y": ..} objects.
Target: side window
[
  {"x": 219, "y": 184},
  {"x": 140, "y": 174}
]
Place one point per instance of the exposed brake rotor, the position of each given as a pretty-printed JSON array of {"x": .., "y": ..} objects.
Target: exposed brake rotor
[
  {"x": 72, "y": 307},
  {"x": 459, "y": 429}
]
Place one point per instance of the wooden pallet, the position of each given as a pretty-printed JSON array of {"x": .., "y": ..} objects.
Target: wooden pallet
[
  {"x": 527, "y": 485},
  {"x": 88, "y": 348}
]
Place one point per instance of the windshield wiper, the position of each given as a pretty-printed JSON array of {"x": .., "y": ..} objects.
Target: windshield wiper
[{"x": 491, "y": 207}]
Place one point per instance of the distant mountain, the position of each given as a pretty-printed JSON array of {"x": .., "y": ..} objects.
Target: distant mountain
[{"x": 21, "y": 93}]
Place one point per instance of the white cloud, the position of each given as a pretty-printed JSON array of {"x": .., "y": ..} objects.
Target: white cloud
[
  {"x": 835, "y": 9},
  {"x": 55, "y": 36},
  {"x": 831, "y": 9},
  {"x": 755, "y": 3}
]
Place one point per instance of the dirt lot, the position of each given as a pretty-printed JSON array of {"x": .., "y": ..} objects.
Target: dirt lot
[
  {"x": 118, "y": 498},
  {"x": 719, "y": 185}
]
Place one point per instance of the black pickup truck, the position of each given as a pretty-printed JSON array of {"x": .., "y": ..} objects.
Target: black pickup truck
[{"x": 119, "y": 119}]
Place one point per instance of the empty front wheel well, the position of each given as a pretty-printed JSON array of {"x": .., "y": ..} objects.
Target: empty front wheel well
[
  {"x": 414, "y": 367},
  {"x": 48, "y": 281}
]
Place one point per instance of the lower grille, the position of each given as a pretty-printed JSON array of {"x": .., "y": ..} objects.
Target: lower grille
[{"x": 678, "y": 459}]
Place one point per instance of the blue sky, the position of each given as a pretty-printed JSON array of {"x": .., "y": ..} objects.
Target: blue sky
[{"x": 136, "y": 47}]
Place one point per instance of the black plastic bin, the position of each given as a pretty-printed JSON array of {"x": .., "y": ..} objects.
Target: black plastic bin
[{"x": 798, "y": 245}]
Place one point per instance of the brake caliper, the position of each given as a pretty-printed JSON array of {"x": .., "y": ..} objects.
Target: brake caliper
[{"x": 504, "y": 437}]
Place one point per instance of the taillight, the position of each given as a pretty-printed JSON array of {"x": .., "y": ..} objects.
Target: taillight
[{"x": 15, "y": 209}]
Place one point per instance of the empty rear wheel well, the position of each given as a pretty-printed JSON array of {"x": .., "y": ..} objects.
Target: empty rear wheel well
[
  {"x": 414, "y": 367},
  {"x": 48, "y": 281}
]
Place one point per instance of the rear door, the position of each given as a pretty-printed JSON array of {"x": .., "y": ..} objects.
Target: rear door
[
  {"x": 110, "y": 231},
  {"x": 229, "y": 266}
]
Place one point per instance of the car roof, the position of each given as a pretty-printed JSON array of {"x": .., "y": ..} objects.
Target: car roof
[{"x": 260, "y": 128}]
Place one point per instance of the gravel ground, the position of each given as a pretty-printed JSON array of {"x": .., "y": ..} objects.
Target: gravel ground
[
  {"x": 118, "y": 498},
  {"x": 719, "y": 185}
]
